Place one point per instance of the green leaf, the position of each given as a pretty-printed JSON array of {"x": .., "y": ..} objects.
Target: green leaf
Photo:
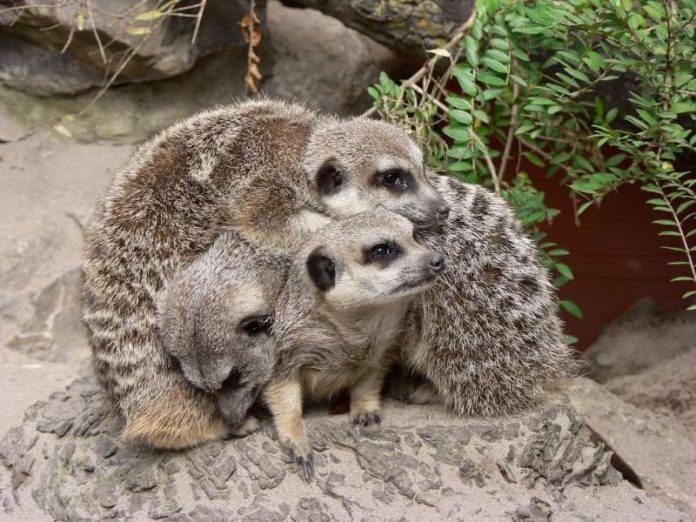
[
  {"x": 499, "y": 43},
  {"x": 611, "y": 114},
  {"x": 458, "y": 133},
  {"x": 571, "y": 308},
  {"x": 495, "y": 65},
  {"x": 471, "y": 50},
  {"x": 682, "y": 279},
  {"x": 665, "y": 222},
  {"x": 491, "y": 79},
  {"x": 460, "y": 166},
  {"x": 467, "y": 85},
  {"x": 460, "y": 116},
  {"x": 481, "y": 116},
  {"x": 647, "y": 117},
  {"x": 458, "y": 102},
  {"x": 499, "y": 56},
  {"x": 374, "y": 93},
  {"x": 570, "y": 340},
  {"x": 558, "y": 252},
  {"x": 564, "y": 270}
]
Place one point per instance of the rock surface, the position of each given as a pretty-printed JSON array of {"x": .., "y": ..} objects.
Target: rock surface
[
  {"x": 659, "y": 449},
  {"x": 406, "y": 26},
  {"x": 319, "y": 61},
  {"x": 34, "y": 33},
  {"x": 420, "y": 464}
]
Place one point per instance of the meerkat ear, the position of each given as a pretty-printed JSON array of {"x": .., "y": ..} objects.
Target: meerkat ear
[
  {"x": 321, "y": 269},
  {"x": 329, "y": 178}
]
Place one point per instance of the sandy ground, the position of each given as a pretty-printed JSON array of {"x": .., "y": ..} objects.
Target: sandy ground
[{"x": 48, "y": 190}]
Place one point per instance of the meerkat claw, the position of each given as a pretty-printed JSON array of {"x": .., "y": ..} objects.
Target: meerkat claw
[
  {"x": 367, "y": 419},
  {"x": 306, "y": 462}
]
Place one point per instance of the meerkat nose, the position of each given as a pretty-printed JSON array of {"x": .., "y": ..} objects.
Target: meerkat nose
[
  {"x": 443, "y": 211},
  {"x": 437, "y": 264}
]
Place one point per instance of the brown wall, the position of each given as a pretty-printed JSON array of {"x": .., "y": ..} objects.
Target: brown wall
[{"x": 616, "y": 257}]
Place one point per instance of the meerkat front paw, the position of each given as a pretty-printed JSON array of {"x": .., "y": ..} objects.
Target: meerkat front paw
[
  {"x": 366, "y": 418},
  {"x": 300, "y": 453}
]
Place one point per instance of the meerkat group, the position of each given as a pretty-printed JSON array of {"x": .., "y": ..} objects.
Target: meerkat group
[{"x": 266, "y": 213}]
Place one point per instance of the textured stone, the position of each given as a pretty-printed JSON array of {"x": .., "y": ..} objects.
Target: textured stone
[
  {"x": 406, "y": 26},
  {"x": 422, "y": 463},
  {"x": 36, "y": 33},
  {"x": 318, "y": 60}
]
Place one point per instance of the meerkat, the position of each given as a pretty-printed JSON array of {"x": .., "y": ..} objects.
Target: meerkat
[
  {"x": 338, "y": 317},
  {"x": 276, "y": 172},
  {"x": 487, "y": 336},
  {"x": 214, "y": 318}
]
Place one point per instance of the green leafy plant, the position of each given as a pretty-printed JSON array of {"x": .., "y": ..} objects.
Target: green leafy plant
[{"x": 525, "y": 79}]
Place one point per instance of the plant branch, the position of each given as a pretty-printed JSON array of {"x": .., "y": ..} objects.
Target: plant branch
[{"x": 420, "y": 73}]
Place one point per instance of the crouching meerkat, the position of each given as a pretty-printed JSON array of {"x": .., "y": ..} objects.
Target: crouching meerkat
[
  {"x": 275, "y": 171},
  {"x": 214, "y": 317},
  {"x": 487, "y": 335},
  {"x": 338, "y": 318}
]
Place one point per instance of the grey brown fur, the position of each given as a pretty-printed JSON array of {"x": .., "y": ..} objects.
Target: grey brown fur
[
  {"x": 487, "y": 335},
  {"x": 254, "y": 166},
  {"x": 214, "y": 317},
  {"x": 339, "y": 316}
]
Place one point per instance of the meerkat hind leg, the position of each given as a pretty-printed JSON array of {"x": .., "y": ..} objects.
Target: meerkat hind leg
[
  {"x": 284, "y": 399},
  {"x": 365, "y": 400}
]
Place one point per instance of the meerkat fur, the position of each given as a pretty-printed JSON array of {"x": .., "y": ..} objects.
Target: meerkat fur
[
  {"x": 214, "y": 318},
  {"x": 274, "y": 171},
  {"x": 487, "y": 335},
  {"x": 338, "y": 317}
]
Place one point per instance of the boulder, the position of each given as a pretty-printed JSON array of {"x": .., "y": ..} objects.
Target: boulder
[
  {"x": 104, "y": 36},
  {"x": 422, "y": 463},
  {"x": 658, "y": 448},
  {"x": 405, "y": 26},
  {"x": 322, "y": 62}
]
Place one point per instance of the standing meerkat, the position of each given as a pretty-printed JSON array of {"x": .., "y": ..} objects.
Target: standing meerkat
[
  {"x": 339, "y": 316},
  {"x": 275, "y": 171},
  {"x": 214, "y": 318},
  {"x": 487, "y": 335}
]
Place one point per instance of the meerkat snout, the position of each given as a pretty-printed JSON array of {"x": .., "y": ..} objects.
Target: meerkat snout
[{"x": 359, "y": 165}]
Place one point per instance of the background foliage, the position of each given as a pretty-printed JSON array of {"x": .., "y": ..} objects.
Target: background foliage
[{"x": 525, "y": 79}]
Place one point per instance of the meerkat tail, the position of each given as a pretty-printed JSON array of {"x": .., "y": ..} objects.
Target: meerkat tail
[{"x": 187, "y": 422}]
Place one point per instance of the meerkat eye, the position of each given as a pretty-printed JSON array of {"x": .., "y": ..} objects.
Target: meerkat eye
[
  {"x": 395, "y": 179},
  {"x": 382, "y": 253},
  {"x": 256, "y": 325}
]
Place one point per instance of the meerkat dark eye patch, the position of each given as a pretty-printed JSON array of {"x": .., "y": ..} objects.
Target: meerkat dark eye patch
[
  {"x": 383, "y": 253},
  {"x": 321, "y": 269},
  {"x": 396, "y": 180},
  {"x": 256, "y": 325},
  {"x": 329, "y": 178}
]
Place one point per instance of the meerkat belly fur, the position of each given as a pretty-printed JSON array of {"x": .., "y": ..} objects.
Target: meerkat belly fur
[
  {"x": 339, "y": 316},
  {"x": 214, "y": 317},
  {"x": 273, "y": 170},
  {"x": 487, "y": 335}
]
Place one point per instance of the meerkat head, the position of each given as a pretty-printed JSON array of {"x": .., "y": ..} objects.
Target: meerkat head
[
  {"x": 358, "y": 165},
  {"x": 215, "y": 318},
  {"x": 370, "y": 259}
]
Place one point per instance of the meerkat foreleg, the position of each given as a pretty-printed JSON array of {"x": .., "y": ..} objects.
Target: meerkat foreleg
[
  {"x": 365, "y": 398},
  {"x": 284, "y": 399}
]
